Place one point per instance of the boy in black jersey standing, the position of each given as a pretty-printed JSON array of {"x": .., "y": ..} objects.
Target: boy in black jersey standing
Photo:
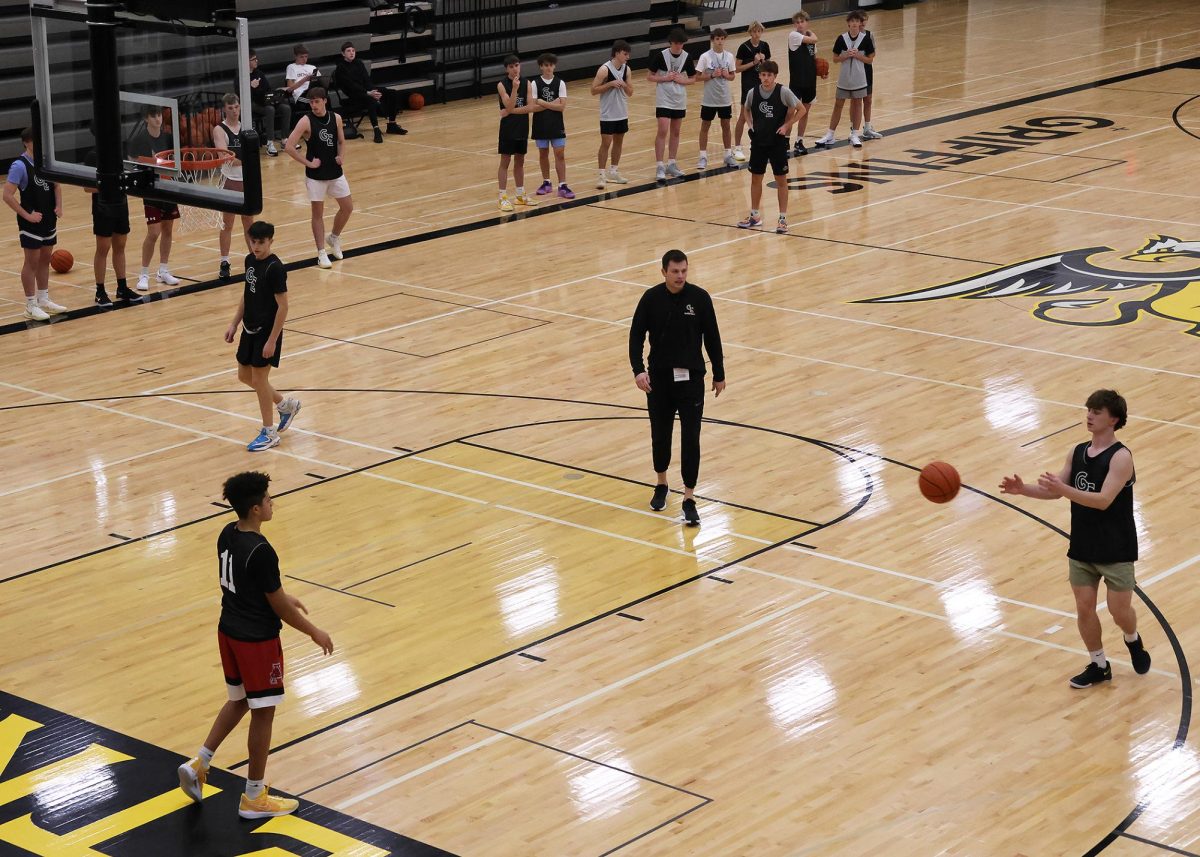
[
  {"x": 1098, "y": 479},
  {"x": 770, "y": 110},
  {"x": 323, "y": 174},
  {"x": 261, "y": 313},
  {"x": 253, "y": 609},
  {"x": 678, "y": 316},
  {"x": 547, "y": 101},
  {"x": 513, "y": 141}
]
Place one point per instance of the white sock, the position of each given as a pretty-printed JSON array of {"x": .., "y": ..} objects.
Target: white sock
[
  {"x": 205, "y": 755},
  {"x": 754, "y": 212},
  {"x": 43, "y": 296},
  {"x": 254, "y": 788},
  {"x": 659, "y": 164},
  {"x": 612, "y": 170},
  {"x": 1098, "y": 658},
  {"x": 1130, "y": 638},
  {"x": 30, "y": 300},
  {"x": 336, "y": 238},
  {"x": 145, "y": 272},
  {"x": 520, "y": 191},
  {"x": 162, "y": 266},
  {"x": 728, "y": 152},
  {"x": 504, "y": 194},
  {"x": 224, "y": 258},
  {"x": 671, "y": 163},
  {"x": 602, "y": 172}
]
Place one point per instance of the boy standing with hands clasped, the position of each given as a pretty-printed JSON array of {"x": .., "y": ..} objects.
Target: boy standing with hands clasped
[
  {"x": 855, "y": 50},
  {"x": 514, "y": 132},
  {"x": 716, "y": 70},
  {"x": 671, "y": 70}
]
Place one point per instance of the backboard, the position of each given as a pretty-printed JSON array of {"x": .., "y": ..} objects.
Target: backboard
[{"x": 179, "y": 69}]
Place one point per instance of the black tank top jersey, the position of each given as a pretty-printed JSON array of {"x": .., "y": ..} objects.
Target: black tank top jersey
[
  {"x": 1101, "y": 535},
  {"x": 249, "y": 569},
  {"x": 802, "y": 65},
  {"x": 769, "y": 114},
  {"x": 323, "y": 144},
  {"x": 235, "y": 140},
  {"x": 514, "y": 127},
  {"x": 37, "y": 195},
  {"x": 264, "y": 280},
  {"x": 548, "y": 125}
]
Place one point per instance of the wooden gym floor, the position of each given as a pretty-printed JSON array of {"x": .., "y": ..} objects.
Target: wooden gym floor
[{"x": 529, "y": 660}]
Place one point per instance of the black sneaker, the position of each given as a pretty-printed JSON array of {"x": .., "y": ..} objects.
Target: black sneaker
[
  {"x": 659, "y": 501},
  {"x": 1139, "y": 656},
  {"x": 1092, "y": 675},
  {"x": 393, "y": 128},
  {"x": 224, "y": 272},
  {"x": 128, "y": 294},
  {"x": 102, "y": 299},
  {"x": 800, "y": 149},
  {"x": 378, "y": 135},
  {"x": 690, "y": 516}
]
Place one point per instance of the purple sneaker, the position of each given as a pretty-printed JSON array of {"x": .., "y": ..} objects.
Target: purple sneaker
[
  {"x": 565, "y": 192},
  {"x": 545, "y": 188}
]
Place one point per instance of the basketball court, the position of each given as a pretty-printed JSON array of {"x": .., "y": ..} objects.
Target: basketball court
[{"x": 529, "y": 660}]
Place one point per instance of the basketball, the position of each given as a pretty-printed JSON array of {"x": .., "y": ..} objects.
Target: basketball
[
  {"x": 416, "y": 101},
  {"x": 61, "y": 261},
  {"x": 822, "y": 67},
  {"x": 939, "y": 482}
]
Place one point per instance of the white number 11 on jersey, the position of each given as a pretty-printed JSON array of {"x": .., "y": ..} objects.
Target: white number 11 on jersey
[{"x": 227, "y": 571}]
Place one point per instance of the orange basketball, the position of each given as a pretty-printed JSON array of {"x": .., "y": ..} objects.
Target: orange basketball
[
  {"x": 939, "y": 482},
  {"x": 61, "y": 261},
  {"x": 822, "y": 67},
  {"x": 416, "y": 101}
]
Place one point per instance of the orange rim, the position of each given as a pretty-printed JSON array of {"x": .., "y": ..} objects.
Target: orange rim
[{"x": 193, "y": 158}]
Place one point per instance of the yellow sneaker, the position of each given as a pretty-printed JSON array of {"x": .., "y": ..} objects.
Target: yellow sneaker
[
  {"x": 192, "y": 777},
  {"x": 266, "y": 805},
  {"x": 524, "y": 200},
  {"x": 505, "y": 204}
]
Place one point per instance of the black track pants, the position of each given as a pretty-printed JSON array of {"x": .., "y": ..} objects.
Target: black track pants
[{"x": 665, "y": 399}]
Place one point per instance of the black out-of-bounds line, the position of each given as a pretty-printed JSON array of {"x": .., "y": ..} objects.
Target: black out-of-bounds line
[
  {"x": 1185, "y": 675},
  {"x": 1175, "y": 117},
  {"x": 463, "y": 228},
  {"x": 1170, "y": 848}
]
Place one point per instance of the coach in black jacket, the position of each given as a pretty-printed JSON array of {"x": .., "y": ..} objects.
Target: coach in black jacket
[
  {"x": 678, "y": 316},
  {"x": 350, "y": 75}
]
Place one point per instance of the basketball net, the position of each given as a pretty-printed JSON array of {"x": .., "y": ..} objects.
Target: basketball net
[{"x": 198, "y": 165}]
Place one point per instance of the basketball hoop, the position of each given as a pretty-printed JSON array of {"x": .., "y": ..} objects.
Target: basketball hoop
[{"x": 197, "y": 165}]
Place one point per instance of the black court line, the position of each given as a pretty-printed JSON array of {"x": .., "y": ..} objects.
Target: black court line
[
  {"x": 542, "y": 323},
  {"x": 121, "y": 537},
  {"x": 720, "y": 579},
  {"x": 1178, "y": 124},
  {"x": 1170, "y": 848},
  {"x": 531, "y": 657},
  {"x": 394, "y": 753},
  {"x": 646, "y": 485},
  {"x": 1003, "y": 174},
  {"x": 409, "y": 565},
  {"x": 219, "y": 505},
  {"x": 463, "y": 228},
  {"x": 403, "y": 294},
  {"x": 293, "y": 330},
  {"x": 315, "y": 475},
  {"x": 631, "y": 616},
  {"x": 1148, "y": 91},
  {"x": 590, "y": 760},
  {"x": 803, "y": 545},
  {"x": 657, "y": 827},
  {"x": 402, "y": 448},
  {"x": 335, "y": 589},
  {"x": 1052, "y": 434},
  {"x": 157, "y": 371}
]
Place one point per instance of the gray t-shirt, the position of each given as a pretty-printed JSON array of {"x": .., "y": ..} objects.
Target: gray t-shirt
[
  {"x": 789, "y": 98},
  {"x": 716, "y": 90},
  {"x": 671, "y": 95}
]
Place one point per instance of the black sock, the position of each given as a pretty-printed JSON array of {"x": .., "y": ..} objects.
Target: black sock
[
  {"x": 99, "y": 287},
  {"x": 122, "y": 285}
]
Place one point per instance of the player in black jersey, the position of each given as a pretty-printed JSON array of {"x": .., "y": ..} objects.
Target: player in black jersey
[
  {"x": 770, "y": 110},
  {"x": 323, "y": 175},
  {"x": 227, "y": 136},
  {"x": 1098, "y": 479},
  {"x": 38, "y": 208},
  {"x": 513, "y": 141},
  {"x": 253, "y": 609},
  {"x": 261, "y": 313}
]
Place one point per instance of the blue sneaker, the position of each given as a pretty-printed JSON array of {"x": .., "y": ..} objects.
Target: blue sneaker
[
  {"x": 288, "y": 409},
  {"x": 266, "y": 439}
]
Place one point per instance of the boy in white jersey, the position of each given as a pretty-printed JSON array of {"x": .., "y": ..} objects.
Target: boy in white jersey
[
  {"x": 854, "y": 50},
  {"x": 670, "y": 70},
  {"x": 612, "y": 84},
  {"x": 716, "y": 69},
  {"x": 548, "y": 98}
]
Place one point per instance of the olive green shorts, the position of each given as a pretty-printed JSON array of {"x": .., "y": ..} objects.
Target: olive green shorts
[{"x": 1118, "y": 575}]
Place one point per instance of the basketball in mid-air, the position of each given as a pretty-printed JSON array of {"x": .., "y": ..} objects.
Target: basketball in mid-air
[
  {"x": 416, "y": 101},
  {"x": 939, "y": 482},
  {"x": 61, "y": 261}
]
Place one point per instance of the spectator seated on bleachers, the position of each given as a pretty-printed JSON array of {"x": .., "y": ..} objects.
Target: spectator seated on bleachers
[
  {"x": 270, "y": 107},
  {"x": 352, "y": 79}
]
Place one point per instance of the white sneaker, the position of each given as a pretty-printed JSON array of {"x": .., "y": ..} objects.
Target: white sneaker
[
  {"x": 335, "y": 246},
  {"x": 165, "y": 277},
  {"x": 702, "y": 164},
  {"x": 615, "y": 177},
  {"x": 601, "y": 181},
  {"x": 827, "y": 140},
  {"x": 323, "y": 260},
  {"x": 673, "y": 171},
  {"x": 271, "y": 150},
  {"x": 33, "y": 312},
  {"x": 869, "y": 133},
  {"x": 51, "y": 307},
  {"x": 730, "y": 161},
  {"x": 738, "y": 154},
  {"x": 660, "y": 173},
  {"x": 143, "y": 283},
  {"x": 854, "y": 140}
]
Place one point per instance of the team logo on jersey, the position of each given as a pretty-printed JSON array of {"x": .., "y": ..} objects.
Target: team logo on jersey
[
  {"x": 326, "y": 136},
  {"x": 251, "y": 279},
  {"x": 1077, "y": 288},
  {"x": 41, "y": 182},
  {"x": 766, "y": 109},
  {"x": 687, "y": 310},
  {"x": 548, "y": 93},
  {"x": 1082, "y": 484}
]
